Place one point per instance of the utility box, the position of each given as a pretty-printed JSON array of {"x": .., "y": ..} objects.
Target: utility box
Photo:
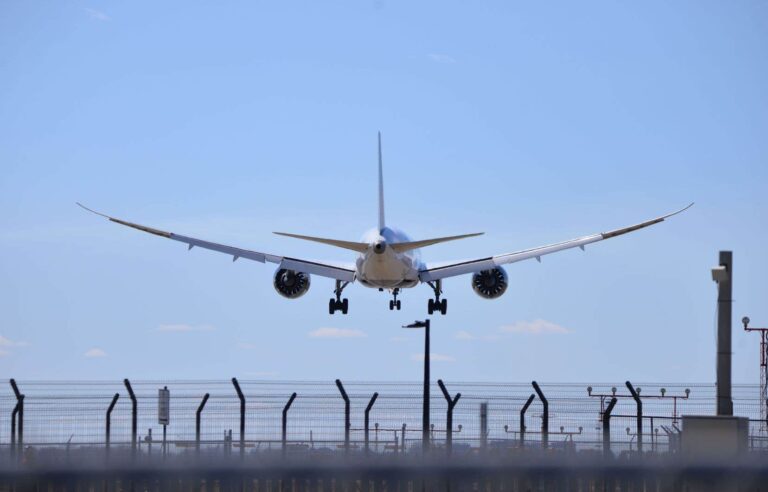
[{"x": 714, "y": 437}]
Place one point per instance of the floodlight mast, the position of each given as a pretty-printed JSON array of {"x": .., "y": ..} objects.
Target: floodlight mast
[
  {"x": 425, "y": 402},
  {"x": 763, "y": 371}
]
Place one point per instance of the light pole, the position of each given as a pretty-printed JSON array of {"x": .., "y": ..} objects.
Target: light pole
[{"x": 425, "y": 404}]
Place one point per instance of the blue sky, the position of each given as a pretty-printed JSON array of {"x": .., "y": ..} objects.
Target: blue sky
[{"x": 533, "y": 122}]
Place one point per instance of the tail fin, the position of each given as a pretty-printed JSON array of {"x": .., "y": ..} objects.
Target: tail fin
[{"x": 381, "y": 190}]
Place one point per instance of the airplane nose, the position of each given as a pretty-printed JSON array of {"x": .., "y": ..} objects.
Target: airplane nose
[{"x": 379, "y": 247}]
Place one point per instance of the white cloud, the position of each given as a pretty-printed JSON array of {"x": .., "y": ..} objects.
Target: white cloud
[
  {"x": 182, "y": 328},
  {"x": 7, "y": 342},
  {"x": 434, "y": 357},
  {"x": 441, "y": 58},
  {"x": 464, "y": 335},
  {"x": 96, "y": 15},
  {"x": 336, "y": 333},
  {"x": 535, "y": 327},
  {"x": 95, "y": 352}
]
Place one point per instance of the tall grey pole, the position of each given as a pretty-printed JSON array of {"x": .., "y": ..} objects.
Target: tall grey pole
[
  {"x": 425, "y": 404},
  {"x": 724, "y": 301}
]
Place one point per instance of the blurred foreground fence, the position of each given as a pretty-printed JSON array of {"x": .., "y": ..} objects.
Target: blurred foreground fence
[{"x": 53, "y": 420}]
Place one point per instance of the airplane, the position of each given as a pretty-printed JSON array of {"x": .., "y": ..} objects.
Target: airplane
[{"x": 389, "y": 260}]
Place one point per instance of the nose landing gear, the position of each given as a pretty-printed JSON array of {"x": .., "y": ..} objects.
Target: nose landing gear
[
  {"x": 338, "y": 304},
  {"x": 441, "y": 306},
  {"x": 395, "y": 302}
]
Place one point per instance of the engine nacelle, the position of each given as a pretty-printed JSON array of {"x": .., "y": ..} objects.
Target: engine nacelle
[
  {"x": 290, "y": 283},
  {"x": 490, "y": 284}
]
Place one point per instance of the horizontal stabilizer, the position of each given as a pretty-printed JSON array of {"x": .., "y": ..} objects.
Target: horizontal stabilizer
[
  {"x": 402, "y": 247},
  {"x": 359, "y": 247}
]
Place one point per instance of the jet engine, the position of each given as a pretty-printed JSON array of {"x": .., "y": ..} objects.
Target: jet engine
[
  {"x": 290, "y": 283},
  {"x": 490, "y": 284}
]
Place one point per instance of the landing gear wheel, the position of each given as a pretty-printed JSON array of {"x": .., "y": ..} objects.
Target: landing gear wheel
[
  {"x": 436, "y": 304},
  {"x": 338, "y": 304},
  {"x": 394, "y": 303}
]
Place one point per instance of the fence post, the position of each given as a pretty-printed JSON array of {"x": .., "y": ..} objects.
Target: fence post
[
  {"x": 13, "y": 428},
  {"x": 639, "y": 403},
  {"x": 544, "y": 417},
  {"x": 346, "y": 414},
  {"x": 522, "y": 419},
  {"x": 402, "y": 438},
  {"x": 20, "y": 413},
  {"x": 448, "y": 416},
  {"x": 367, "y": 413},
  {"x": 241, "y": 396},
  {"x": 607, "y": 427},
  {"x": 108, "y": 429},
  {"x": 197, "y": 421},
  {"x": 134, "y": 411},
  {"x": 285, "y": 421}
]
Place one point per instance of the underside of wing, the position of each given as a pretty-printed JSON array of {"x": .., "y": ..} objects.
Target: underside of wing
[
  {"x": 338, "y": 271},
  {"x": 452, "y": 269}
]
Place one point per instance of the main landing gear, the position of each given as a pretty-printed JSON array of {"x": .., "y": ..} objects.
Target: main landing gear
[
  {"x": 394, "y": 303},
  {"x": 338, "y": 304},
  {"x": 441, "y": 306}
]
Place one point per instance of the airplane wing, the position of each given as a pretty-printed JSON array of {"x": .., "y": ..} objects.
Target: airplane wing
[
  {"x": 343, "y": 272},
  {"x": 437, "y": 272}
]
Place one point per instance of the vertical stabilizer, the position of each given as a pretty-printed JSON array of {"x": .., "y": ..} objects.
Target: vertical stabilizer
[{"x": 381, "y": 190}]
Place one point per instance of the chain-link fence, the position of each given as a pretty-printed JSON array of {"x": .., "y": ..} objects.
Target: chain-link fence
[{"x": 71, "y": 417}]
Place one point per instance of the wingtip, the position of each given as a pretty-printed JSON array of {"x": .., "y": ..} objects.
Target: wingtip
[
  {"x": 679, "y": 211},
  {"x": 91, "y": 210}
]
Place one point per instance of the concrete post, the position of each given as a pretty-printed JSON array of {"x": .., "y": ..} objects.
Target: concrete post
[
  {"x": 724, "y": 278},
  {"x": 484, "y": 426}
]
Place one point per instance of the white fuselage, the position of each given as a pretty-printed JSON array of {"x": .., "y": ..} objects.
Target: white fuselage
[{"x": 382, "y": 267}]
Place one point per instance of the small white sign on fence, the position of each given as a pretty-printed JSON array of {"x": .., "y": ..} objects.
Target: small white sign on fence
[{"x": 163, "y": 406}]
